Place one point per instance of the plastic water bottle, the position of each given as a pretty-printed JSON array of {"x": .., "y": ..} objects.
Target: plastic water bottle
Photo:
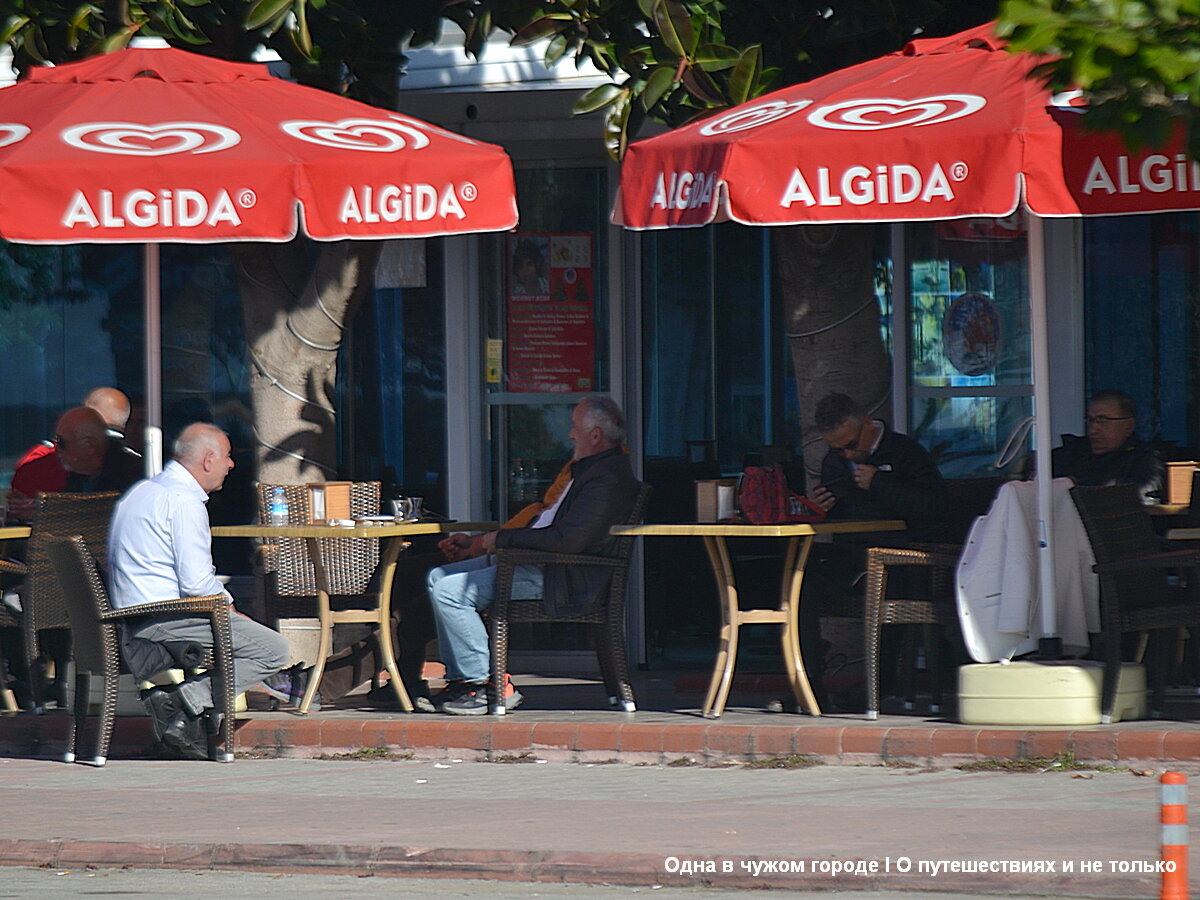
[{"x": 278, "y": 508}]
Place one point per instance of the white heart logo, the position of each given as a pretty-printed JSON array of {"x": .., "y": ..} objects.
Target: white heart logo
[
  {"x": 371, "y": 135},
  {"x": 12, "y": 133},
  {"x": 880, "y": 113},
  {"x": 132, "y": 139},
  {"x": 754, "y": 116}
]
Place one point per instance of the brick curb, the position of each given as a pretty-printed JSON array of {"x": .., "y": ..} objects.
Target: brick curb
[
  {"x": 571, "y": 867},
  {"x": 636, "y": 742}
]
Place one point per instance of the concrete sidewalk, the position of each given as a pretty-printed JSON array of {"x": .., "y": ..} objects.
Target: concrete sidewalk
[{"x": 828, "y": 827}]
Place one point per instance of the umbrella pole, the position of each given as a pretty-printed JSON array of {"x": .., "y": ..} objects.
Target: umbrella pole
[
  {"x": 1049, "y": 644},
  {"x": 153, "y": 450}
]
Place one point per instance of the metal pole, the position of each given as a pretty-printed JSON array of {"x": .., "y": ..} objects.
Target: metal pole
[
  {"x": 1050, "y": 644},
  {"x": 153, "y": 450}
]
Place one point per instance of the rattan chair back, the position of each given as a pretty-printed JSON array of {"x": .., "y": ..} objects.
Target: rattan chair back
[
  {"x": 56, "y": 514},
  {"x": 1136, "y": 593},
  {"x": 350, "y": 562},
  {"x": 606, "y": 618},
  {"x": 1119, "y": 529}
]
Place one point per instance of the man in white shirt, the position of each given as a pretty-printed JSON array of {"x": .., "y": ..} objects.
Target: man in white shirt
[{"x": 160, "y": 548}]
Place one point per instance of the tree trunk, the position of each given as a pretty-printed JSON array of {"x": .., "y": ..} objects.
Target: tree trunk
[
  {"x": 296, "y": 299},
  {"x": 827, "y": 277}
]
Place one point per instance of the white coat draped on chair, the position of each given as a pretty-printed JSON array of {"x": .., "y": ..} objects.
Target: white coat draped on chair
[{"x": 997, "y": 586}]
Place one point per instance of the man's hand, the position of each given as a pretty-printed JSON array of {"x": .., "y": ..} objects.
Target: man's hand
[
  {"x": 488, "y": 542},
  {"x": 863, "y": 475},
  {"x": 20, "y": 507},
  {"x": 457, "y": 547},
  {"x": 823, "y": 497}
]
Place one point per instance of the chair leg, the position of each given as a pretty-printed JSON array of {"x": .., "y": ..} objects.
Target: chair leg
[
  {"x": 83, "y": 687},
  {"x": 498, "y": 639},
  {"x": 933, "y": 662},
  {"x": 909, "y": 666},
  {"x": 1112, "y": 672},
  {"x": 30, "y": 640},
  {"x": 108, "y": 716},
  {"x": 614, "y": 664}
]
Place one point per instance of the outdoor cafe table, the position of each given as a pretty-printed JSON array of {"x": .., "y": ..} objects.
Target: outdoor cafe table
[
  {"x": 800, "y": 539},
  {"x": 392, "y": 535}
]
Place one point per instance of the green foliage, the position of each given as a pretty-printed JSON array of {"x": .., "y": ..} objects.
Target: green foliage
[
  {"x": 677, "y": 60},
  {"x": 1137, "y": 61}
]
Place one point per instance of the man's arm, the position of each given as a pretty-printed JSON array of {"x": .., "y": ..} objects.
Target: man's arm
[
  {"x": 915, "y": 488},
  {"x": 592, "y": 506},
  {"x": 192, "y": 541}
]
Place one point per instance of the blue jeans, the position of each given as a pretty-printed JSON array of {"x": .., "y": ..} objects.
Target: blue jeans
[{"x": 458, "y": 591}]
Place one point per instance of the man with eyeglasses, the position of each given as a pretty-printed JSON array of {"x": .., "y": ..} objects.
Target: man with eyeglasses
[
  {"x": 870, "y": 472},
  {"x": 1111, "y": 453}
]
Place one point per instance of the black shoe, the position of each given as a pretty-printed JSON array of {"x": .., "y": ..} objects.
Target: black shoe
[{"x": 173, "y": 727}]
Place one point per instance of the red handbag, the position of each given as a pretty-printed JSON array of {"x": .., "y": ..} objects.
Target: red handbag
[{"x": 764, "y": 498}]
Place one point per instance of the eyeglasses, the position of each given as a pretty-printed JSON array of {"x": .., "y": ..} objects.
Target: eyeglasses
[{"x": 1105, "y": 420}]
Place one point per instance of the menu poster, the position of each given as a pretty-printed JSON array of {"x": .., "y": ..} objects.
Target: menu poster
[{"x": 551, "y": 334}]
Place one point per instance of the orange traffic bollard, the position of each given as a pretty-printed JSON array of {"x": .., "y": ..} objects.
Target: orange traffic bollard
[{"x": 1174, "y": 836}]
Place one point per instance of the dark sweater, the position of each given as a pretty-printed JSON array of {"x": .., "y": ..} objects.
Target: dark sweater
[{"x": 907, "y": 486}]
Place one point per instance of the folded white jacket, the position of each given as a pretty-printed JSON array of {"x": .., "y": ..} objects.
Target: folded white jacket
[{"x": 998, "y": 590}]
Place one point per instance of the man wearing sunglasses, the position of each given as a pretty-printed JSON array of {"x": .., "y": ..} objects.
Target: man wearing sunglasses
[
  {"x": 1111, "y": 453},
  {"x": 869, "y": 472}
]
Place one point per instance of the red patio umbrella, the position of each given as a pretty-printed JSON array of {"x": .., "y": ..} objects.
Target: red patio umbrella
[
  {"x": 946, "y": 128},
  {"x": 152, "y": 145}
]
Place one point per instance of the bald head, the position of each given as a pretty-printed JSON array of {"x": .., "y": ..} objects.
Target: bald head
[
  {"x": 81, "y": 440},
  {"x": 204, "y": 450},
  {"x": 112, "y": 405}
]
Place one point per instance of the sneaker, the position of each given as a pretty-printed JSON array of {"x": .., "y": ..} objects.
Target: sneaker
[
  {"x": 475, "y": 701},
  {"x": 454, "y": 690},
  {"x": 287, "y": 688}
]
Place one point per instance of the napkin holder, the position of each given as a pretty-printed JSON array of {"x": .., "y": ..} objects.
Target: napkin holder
[
  {"x": 1179, "y": 482},
  {"x": 328, "y": 500},
  {"x": 716, "y": 499}
]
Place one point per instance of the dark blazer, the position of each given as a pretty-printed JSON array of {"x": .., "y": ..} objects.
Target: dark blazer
[{"x": 602, "y": 493}]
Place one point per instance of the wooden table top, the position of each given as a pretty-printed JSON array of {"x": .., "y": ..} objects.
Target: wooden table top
[
  {"x": 1167, "y": 509},
  {"x": 729, "y": 529},
  {"x": 358, "y": 530}
]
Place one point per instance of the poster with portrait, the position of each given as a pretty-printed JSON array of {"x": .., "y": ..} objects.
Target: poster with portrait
[{"x": 551, "y": 345}]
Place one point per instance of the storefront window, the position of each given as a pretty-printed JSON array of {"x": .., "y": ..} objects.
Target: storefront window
[
  {"x": 545, "y": 301},
  {"x": 392, "y": 389},
  {"x": 1142, "y": 299},
  {"x": 70, "y": 320},
  {"x": 968, "y": 319}
]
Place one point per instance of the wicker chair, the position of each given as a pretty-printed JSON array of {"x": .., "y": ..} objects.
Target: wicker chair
[
  {"x": 606, "y": 619},
  {"x": 359, "y": 588},
  {"x": 1135, "y": 592},
  {"x": 95, "y": 642},
  {"x": 43, "y": 603},
  {"x": 930, "y": 606}
]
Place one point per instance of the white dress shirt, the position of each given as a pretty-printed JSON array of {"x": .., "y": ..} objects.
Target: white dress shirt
[{"x": 159, "y": 544}]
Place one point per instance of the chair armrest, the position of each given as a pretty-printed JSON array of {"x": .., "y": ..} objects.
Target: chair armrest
[
  {"x": 945, "y": 555},
  {"x": 12, "y": 567},
  {"x": 1170, "y": 559},
  {"x": 182, "y": 605},
  {"x": 513, "y": 557}
]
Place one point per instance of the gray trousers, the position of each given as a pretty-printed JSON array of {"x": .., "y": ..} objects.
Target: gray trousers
[{"x": 258, "y": 651}]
